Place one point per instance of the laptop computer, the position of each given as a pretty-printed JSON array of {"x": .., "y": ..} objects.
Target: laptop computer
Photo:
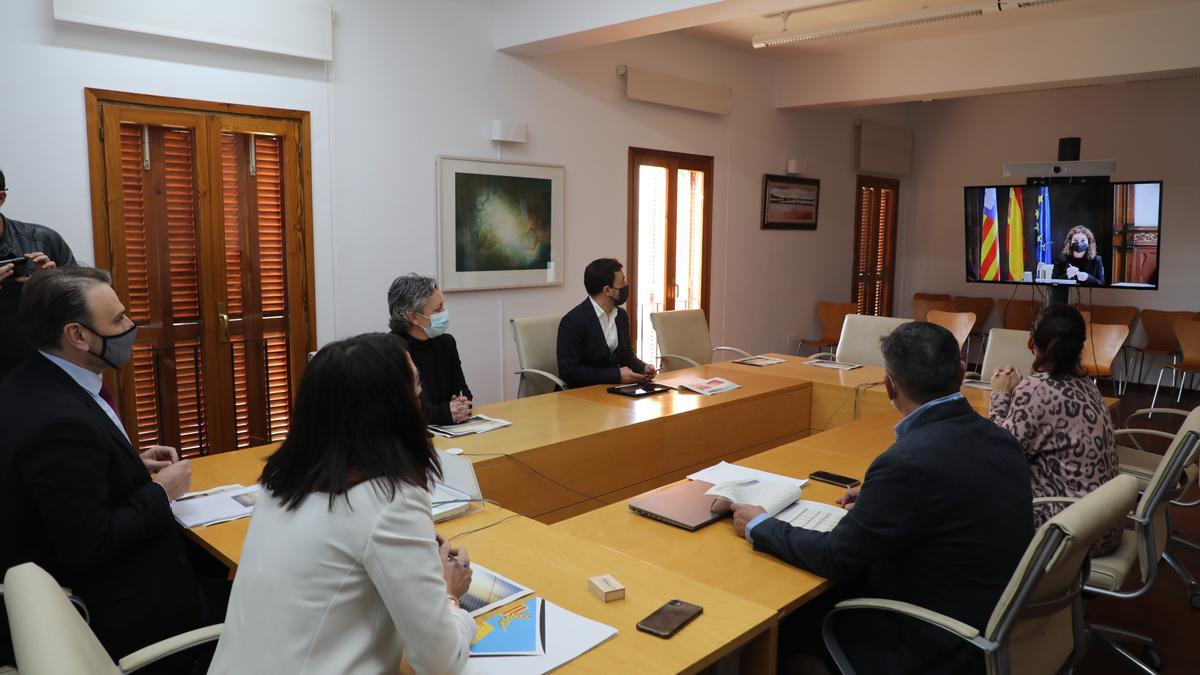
[
  {"x": 681, "y": 504},
  {"x": 450, "y": 495}
]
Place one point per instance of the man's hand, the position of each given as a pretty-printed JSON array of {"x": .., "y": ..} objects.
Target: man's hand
[
  {"x": 742, "y": 515},
  {"x": 40, "y": 261},
  {"x": 6, "y": 271},
  {"x": 630, "y": 377},
  {"x": 158, "y": 457},
  {"x": 846, "y": 501},
  {"x": 650, "y": 372},
  {"x": 460, "y": 408},
  {"x": 175, "y": 479}
]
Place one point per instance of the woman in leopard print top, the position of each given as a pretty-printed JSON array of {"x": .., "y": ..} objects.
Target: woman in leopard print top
[{"x": 1059, "y": 416}]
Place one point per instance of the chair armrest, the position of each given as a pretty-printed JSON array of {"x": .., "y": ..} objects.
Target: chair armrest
[
  {"x": 962, "y": 630},
  {"x": 732, "y": 349},
  {"x": 172, "y": 645},
  {"x": 1133, "y": 434},
  {"x": 1055, "y": 500},
  {"x": 534, "y": 371},
  {"x": 685, "y": 359},
  {"x": 823, "y": 356}
]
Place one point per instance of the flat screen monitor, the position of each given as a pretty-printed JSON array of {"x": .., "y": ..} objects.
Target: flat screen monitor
[{"x": 1082, "y": 234}]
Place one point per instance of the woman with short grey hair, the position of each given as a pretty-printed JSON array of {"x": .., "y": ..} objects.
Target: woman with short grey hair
[{"x": 417, "y": 314}]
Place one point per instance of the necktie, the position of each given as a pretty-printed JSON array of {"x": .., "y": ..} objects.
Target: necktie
[{"x": 107, "y": 395}]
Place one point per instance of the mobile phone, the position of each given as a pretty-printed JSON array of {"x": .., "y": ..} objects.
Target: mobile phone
[
  {"x": 834, "y": 479},
  {"x": 20, "y": 265},
  {"x": 668, "y": 619}
]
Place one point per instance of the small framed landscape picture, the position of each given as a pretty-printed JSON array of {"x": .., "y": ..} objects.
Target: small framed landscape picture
[
  {"x": 790, "y": 202},
  {"x": 500, "y": 224}
]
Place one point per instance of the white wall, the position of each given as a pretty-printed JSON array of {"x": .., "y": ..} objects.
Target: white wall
[
  {"x": 1149, "y": 128},
  {"x": 43, "y": 140}
]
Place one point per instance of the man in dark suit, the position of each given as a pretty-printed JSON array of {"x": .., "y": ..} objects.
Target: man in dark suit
[
  {"x": 941, "y": 520},
  {"x": 75, "y": 496},
  {"x": 593, "y": 338}
]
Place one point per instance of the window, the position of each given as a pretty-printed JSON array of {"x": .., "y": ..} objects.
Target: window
[
  {"x": 670, "y": 225},
  {"x": 875, "y": 245},
  {"x": 201, "y": 213}
]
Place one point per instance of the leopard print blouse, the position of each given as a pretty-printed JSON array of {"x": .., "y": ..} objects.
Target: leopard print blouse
[{"x": 1067, "y": 434}]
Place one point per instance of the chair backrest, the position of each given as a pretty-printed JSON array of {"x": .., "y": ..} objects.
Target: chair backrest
[
  {"x": 49, "y": 637},
  {"x": 682, "y": 332},
  {"x": 981, "y": 307},
  {"x": 536, "y": 339},
  {"x": 1154, "y": 527},
  {"x": 1018, "y": 314},
  {"x": 1039, "y": 617},
  {"x": 958, "y": 323},
  {"x": 1160, "y": 329},
  {"x": 1115, "y": 315},
  {"x": 1006, "y": 347},
  {"x": 832, "y": 315},
  {"x": 923, "y": 302},
  {"x": 1102, "y": 345},
  {"x": 1188, "y": 333},
  {"x": 859, "y": 342}
]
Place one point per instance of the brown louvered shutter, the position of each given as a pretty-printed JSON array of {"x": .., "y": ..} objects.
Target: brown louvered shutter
[{"x": 875, "y": 245}]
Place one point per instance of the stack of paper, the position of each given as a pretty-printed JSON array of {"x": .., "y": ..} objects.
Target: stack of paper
[
  {"x": 519, "y": 630},
  {"x": 475, "y": 424},
  {"x": 759, "y": 361},
  {"x": 724, "y": 472},
  {"x": 567, "y": 636},
  {"x": 773, "y": 496},
  {"x": 713, "y": 385},
  {"x": 228, "y": 502},
  {"x": 812, "y": 515},
  {"x": 836, "y": 365}
]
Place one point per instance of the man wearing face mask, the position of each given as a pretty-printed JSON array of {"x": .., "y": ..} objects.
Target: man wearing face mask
[
  {"x": 1078, "y": 260},
  {"x": 941, "y": 519},
  {"x": 418, "y": 315},
  {"x": 593, "y": 338},
  {"x": 76, "y": 497}
]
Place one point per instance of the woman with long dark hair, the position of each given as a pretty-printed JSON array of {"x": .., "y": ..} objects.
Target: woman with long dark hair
[
  {"x": 341, "y": 571},
  {"x": 1059, "y": 416}
]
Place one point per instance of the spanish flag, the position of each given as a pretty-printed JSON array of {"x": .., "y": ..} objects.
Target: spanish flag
[
  {"x": 1016, "y": 236},
  {"x": 989, "y": 255}
]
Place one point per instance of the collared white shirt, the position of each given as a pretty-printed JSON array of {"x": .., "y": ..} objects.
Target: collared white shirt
[
  {"x": 91, "y": 383},
  {"x": 608, "y": 324}
]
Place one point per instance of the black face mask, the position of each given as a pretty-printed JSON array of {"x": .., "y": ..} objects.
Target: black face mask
[
  {"x": 1079, "y": 246},
  {"x": 622, "y": 295}
]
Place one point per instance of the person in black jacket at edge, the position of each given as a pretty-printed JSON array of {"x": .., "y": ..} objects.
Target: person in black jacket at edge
[
  {"x": 593, "y": 338},
  {"x": 419, "y": 316},
  {"x": 940, "y": 521}
]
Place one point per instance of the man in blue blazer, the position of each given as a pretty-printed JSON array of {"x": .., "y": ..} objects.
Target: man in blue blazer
[
  {"x": 593, "y": 338},
  {"x": 941, "y": 520}
]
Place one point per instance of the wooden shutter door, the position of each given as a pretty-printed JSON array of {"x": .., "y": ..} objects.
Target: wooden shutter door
[{"x": 875, "y": 245}]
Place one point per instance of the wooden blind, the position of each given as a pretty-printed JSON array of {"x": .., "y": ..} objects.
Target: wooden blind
[{"x": 875, "y": 245}]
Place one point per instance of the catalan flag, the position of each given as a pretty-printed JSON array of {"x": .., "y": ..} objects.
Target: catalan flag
[
  {"x": 1042, "y": 215},
  {"x": 1016, "y": 236},
  {"x": 989, "y": 253}
]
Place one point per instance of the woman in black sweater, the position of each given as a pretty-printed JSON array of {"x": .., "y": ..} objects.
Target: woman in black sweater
[
  {"x": 419, "y": 317},
  {"x": 1079, "y": 260}
]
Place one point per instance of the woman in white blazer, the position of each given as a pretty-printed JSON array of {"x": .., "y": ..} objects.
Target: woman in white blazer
[{"x": 341, "y": 571}]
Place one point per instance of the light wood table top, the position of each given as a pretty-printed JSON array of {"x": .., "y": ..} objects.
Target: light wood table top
[
  {"x": 557, "y": 565},
  {"x": 714, "y": 555},
  {"x": 224, "y": 540}
]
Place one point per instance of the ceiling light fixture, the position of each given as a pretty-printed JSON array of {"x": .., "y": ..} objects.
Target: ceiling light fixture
[{"x": 905, "y": 20}]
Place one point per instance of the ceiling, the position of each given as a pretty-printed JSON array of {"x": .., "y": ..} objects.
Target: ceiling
[{"x": 737, "y": 33}]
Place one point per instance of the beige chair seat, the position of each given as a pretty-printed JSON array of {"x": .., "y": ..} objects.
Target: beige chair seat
[
  {"x": 1109, "y": 572},
  {"x": 1138, "y": 463}
]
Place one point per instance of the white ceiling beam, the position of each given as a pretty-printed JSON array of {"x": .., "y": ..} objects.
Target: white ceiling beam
[
  {"x": 1092, "y": 50},
  {"x": 537, "y": 27}
]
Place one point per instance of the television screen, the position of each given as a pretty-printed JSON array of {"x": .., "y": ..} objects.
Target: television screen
[{"x": 1083, "y": 234}]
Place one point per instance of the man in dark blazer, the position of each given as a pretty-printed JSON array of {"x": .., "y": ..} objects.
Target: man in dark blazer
[
  {"x": 593, "y": 338},
  {"x": 941, "y": 520},
  {"x": 75, "y": 496}
]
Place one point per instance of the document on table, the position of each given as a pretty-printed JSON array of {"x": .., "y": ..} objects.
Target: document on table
[
  {"x": 489, "y": 590},
  {"x": 836, "y": 365},
  {"x": 229, "y": 502},
  {"x": 773, "y": 496},
  {"x": 708, "y": 387},
  {"x": 475, "y": 424},
  {"x": 567, "y": 637},
  {"x": 725, "y": 472},
  {"x": 812, "y": 515},
  {"x": 759, "y": 361}
]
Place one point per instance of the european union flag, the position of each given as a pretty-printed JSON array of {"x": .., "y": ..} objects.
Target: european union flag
[{"x": 1045, "y": 252}]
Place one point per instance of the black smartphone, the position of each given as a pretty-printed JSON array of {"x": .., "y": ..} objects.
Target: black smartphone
[
  {"x": 21, "y": 265},
  {"x": 668, "y": 619},
  {"x": 834, "y": 479}
]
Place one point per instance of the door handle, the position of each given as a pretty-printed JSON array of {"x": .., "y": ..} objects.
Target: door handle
[{"x": 223, "y": 315}]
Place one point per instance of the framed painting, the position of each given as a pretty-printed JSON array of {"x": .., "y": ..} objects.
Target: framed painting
[
  {"x": 790, "y": 202},
  {"x": 500, "y": 224}
]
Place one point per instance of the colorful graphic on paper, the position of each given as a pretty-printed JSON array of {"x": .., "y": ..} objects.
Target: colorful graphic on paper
[
  {"x": 514, "y": 631},
  {"x": 489, "y": 591}
]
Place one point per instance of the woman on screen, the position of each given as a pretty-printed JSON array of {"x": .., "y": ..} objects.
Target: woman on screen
[
  {"x": 1079, "y": 261},
  {"x": 341, "y": 571}
]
